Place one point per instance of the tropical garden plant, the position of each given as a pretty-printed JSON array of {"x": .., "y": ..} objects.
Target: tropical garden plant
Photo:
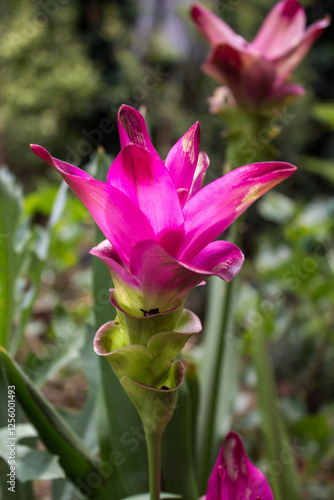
[{"x": 151, "y": 423}]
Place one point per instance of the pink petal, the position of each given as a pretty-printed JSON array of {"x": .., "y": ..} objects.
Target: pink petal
[
  {"x": 282, "y": 29},
  {"x": 183, "y": 195},
  {"x": 287, "y": 90},
  {"x": 182, "y": 159},
  {"x": 214, "y": 28},
  {"x": 219, "y": 258},
  {"x": 145, "y": 180},
  {"x": 201, "y": 168},
  {"x": 109, "y": 256},
  {"x": 287, "y": 62},
  {"x": 234, "y": 476},
  {"x": 163, "y": 277},
  {"x": 164, "y": 280},
  {"x": 217, "y": 205},
  {"x": 120, "y": 220},
  {"x": 249, "y": 75},
  {"x": 132, "y": 128}
]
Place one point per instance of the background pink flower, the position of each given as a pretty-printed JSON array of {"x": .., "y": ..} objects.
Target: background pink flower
[{"x": 258, "y": 72}]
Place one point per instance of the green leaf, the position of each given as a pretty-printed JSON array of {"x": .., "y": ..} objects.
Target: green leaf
[
  {"x": 57, "y": 436},
  {"x": 22, "y": 491},
  {"x": 324, "y": 112},
  {"x": 42, "y": 242},
  {"x": 84, "y": 423},
  {"x": 10, "y": 212},
  {"x": 218, "y": 331},
  {"x": 155, "y": 406},
  {"x": 279, "y": 452},
  {"x": 36, "y": 464},
  {"x": 21, "y": 431},
  {"x": 69, "y": 340},
  {"x": 319, "y": 166}
]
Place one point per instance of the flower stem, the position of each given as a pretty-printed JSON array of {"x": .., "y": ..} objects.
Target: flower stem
[{"x": 153, "y": 443}]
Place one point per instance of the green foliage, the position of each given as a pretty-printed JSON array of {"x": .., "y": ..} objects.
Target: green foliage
[
  {"x": 10, "y": 251},
  {"x": 59, "y": 439},
  {"x": 43, "y": 65},
  {"x": 58, "y": 77}
]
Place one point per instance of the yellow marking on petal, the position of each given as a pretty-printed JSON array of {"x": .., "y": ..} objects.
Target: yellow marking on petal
[
  {"x": 253, "y": 194},
  {"x": 188, "y": 147}
]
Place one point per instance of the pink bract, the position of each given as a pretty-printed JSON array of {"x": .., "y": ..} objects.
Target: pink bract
[
  {"x": 234, "y": 476},
  {"x": 159, "y": 222},
  {"x": 258, "y": 72}
]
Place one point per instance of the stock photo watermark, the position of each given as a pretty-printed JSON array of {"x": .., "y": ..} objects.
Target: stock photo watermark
[{"x": 11, "y": 438}]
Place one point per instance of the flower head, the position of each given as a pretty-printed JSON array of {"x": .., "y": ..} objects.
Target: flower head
[
  {"x": 159, "y": 222},
  {"x": 258, "y": 72},
  {"x": 234, "y": 477}
]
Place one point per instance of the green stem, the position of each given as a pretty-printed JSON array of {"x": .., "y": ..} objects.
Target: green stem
[{"x": 153, "y": 442}]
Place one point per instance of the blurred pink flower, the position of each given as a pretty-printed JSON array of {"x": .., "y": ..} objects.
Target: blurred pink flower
[
  {"x": 234, "y": 477},
  {"x": 257, "y": 72},
  {"x": 158, "y": 220}
]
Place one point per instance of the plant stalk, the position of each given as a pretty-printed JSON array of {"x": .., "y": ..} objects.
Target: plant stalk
[{"x": 153, "y": 442}]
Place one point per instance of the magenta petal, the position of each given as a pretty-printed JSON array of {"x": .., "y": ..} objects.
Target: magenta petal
[
  {"x": 282, "y": 29},
  {"x": 182, "y": 159},
  {"x": 286, "y": 90},
  {"x": 145, "y": 180},
  {"x": 217, "y": 205},
  {"x": 214, "y": 28},
  {"x": 287, "y": 62},
  {"x": 120, "y": 220},
  {"x": 219, "y": 258},
  {"x": 234, "y": 476},
  {"x": 249, "y": 75},
  {"x": 132, "y": 128},
  {"x": 109, "y": 256},
  {"x": 161, "y": 275}
]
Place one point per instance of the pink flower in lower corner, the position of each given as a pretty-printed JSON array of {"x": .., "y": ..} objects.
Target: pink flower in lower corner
[
  {"x": 159, "y": 222},
  {"x": 257, "y": 73},
  {"x": 234, "y": 477}
]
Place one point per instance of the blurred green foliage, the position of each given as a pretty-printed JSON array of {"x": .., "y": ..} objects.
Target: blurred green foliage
[{"x": 66, "y": 66}]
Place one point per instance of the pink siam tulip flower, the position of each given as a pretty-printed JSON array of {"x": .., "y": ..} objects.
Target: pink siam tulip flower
[
  {"x": 234, "y": 477},
  {"x": 159, "y": 222},
  {"x": 258, "y": 72}
]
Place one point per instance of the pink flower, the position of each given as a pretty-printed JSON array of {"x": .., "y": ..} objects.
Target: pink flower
[
  {"x": 258, "y": 72},
  {"x": 234, "y": 477},
  {"x": 158, "y": 220}
]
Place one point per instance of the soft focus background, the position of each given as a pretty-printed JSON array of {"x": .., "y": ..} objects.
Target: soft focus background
[{"x": 66, "y": 67}]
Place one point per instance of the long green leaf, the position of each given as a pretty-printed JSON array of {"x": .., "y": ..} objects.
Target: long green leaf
[
  {"x": 218, "y": 325},
  {"x": 57, "y": 436},
  {"x": 84, "y": 423},
  {"x": 10, "y": 211},
  {"x": 282, "y": 469}
]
